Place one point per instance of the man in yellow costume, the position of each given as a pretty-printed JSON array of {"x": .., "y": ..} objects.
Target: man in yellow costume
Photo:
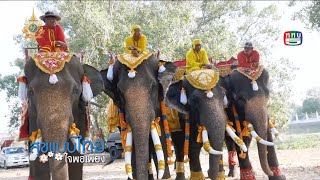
[
  {"x": 196, "y": 57},
  {"x": 137, "y": 42}
]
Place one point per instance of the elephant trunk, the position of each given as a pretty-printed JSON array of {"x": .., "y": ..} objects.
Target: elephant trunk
[
  {"x": 54, "y": 122},
  {"x": 214, "y": 119},
  {"x": 139, "y": 114},
  {"x": 256, "y": 114}
]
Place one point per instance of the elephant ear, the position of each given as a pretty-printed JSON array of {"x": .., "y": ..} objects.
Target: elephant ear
[
  {"x": 173, "y": 97},
  {"x": 165, "y": 78},
  {"x": 95, "y": 77}
]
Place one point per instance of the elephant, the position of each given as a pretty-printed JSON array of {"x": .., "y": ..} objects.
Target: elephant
[
  {"x": 248, "y": 100},
  {"x": 207, "y": 111},
  {"x": 54, "y": 107},
  {"x": 139, "y": 96}
]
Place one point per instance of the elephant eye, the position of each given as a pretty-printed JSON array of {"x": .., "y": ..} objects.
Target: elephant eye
[
  {"x": 30, "y": 92},
  {"x": 75, "y": 91}
]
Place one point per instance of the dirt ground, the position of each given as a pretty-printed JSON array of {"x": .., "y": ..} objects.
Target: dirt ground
[{"x": 295, "y": 164}]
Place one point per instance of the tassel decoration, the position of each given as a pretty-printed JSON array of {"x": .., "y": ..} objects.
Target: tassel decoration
[
  {"x": 22, "y": 93},
  {"x": 225, "y": 101},
  {"x": 183, "y": 97},
  {"x": 161, "y": 67},
  {"x": 209, "y": 94},
  {"x": 53, "y": 79},
  {"x": 110, "y": 72},
  {"x": 132, "y": 73},
  {"x": 87, "y": 93},
  {"x": 255, "y": 85}
]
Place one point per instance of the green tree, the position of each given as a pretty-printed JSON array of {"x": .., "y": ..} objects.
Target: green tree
[
  {"x": 100, "y": 27},
  {"x": 309, "y": 14}
]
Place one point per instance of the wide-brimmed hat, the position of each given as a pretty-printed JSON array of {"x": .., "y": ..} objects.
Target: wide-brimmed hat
[
  {"x": 248, "y": 45},
  {"x": 50, "y": 14}
]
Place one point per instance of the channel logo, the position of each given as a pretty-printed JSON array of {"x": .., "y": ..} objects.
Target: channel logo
[{"x": 292, "y": 38}]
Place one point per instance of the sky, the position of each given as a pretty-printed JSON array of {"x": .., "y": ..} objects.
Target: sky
[{"x": 14, "y": 14}]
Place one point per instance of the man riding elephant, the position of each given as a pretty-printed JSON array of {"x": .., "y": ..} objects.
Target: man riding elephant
[
  {"x": 196, "y": 57},
  {"x": 137, "y": 42},
  {"x": 248, "y": 58},
  {"x": 52, "y": 37}
]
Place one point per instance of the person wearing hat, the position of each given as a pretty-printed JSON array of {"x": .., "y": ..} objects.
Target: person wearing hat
[
  {"x": 137, "y": 42},
  {"x": 248, "y": 58},
  {"x": 196, "y": 57},
  {"x": 52, "y": 39}
]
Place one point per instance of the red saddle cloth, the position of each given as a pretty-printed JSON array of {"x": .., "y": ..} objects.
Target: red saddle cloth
[{"x": 224, "y": 67}]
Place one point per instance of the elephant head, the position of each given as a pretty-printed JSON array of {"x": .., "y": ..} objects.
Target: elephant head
[
  {"x": 139, "y": 97},
  {"x": 250, "y": 98},
  {"x": 53, "y": 108},
  {"x": 204, "y": 104}
]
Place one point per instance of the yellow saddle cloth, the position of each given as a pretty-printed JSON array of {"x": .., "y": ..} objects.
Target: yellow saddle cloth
[
  {"x": 204, "y": 79},
  {"x": 51, "y": 62},
  {"x": 173, "y": 120},
  {"x": 131, "y": 61},
  {"x": 179, "y": 74},
  {"x": 251, "y": 73}
]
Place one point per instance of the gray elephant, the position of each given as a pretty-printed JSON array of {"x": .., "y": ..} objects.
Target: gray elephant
[
  {"x": 248, "y": 95},
  {"x": 54, "y": 104},
  {"x": 200, "y": 95},
  {"x": 139, "y": 94}
]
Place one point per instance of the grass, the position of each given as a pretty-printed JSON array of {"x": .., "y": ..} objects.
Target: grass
[{"x": 300, "y": 141}]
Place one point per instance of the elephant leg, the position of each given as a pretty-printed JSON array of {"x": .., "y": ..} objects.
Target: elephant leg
[
  {"x": 178, "y": 140},
  {"x": 273, "y": 161},
  {"x": 40, "y": 170},
  {"x": 75, "y": 169},
  {"x": 195, "y": 166},
  {"x": 246, "y": 172},
  {"x": 231, "y": 146}
]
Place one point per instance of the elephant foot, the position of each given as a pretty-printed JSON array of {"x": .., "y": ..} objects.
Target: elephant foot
[
  {"x": 247, "y": 174},
  {"x": 232, "y": 171},
  {"x": 30, "y": 178},
  {"x": 196, "y": 175},
  {"x": 180, "y": 176},
  {"x": 277, "y": 174}
]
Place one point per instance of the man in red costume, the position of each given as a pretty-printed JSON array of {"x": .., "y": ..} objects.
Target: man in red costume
[
  {"x": 248, "y": 58},
  {"x": 52, "y": 39}
]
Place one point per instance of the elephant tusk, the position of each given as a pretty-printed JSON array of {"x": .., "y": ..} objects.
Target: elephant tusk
[
  {"x": 77, "y": 144},
  {"x": 206, "y": 143},
  {"x": 35, "y": 151},
  {"x": 128, "y": 153},
  {"x": 236, "y": 139},
  {"x": 158, "y": 149},
  {"x": 257, "y": 137}
]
